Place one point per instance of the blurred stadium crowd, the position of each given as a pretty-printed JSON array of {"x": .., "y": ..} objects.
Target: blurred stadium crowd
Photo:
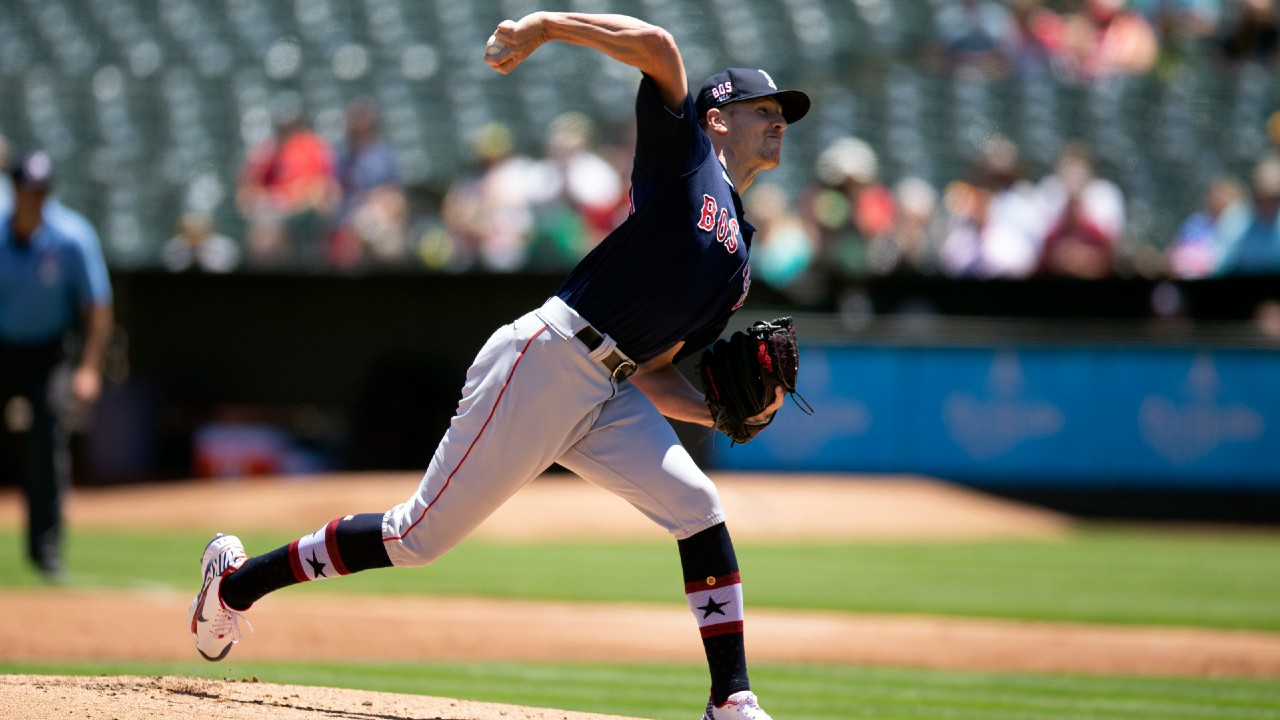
[{"x": 954, "y": 138}]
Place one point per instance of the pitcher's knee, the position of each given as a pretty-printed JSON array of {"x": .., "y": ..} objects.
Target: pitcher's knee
[{"x": 698, "y": 508}]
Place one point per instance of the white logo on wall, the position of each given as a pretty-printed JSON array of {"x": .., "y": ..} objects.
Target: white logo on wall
[
  {"x": 1191, "y": 429},
  {"x": 989, "y": 426}
]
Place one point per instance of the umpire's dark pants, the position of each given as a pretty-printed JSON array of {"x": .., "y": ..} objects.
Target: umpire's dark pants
[{"x": 40, "y": 454}]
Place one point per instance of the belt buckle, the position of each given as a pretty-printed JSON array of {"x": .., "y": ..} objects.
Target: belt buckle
[{"x": 624, "y": 370}]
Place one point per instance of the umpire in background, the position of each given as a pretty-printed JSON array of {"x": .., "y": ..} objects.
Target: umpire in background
[{"x": 53, "y": 287}]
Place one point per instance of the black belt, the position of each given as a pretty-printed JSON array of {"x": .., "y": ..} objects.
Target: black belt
[{"x": 620, "y": 366}]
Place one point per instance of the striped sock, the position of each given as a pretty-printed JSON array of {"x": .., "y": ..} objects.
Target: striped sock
[
  {"x": 713, "y": 588},
  {"x": 343, "y": 546},
  {"x": 316, "y": 556}
]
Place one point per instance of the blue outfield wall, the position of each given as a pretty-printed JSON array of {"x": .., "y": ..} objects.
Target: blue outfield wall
[{"x": 1069, "y": 417}]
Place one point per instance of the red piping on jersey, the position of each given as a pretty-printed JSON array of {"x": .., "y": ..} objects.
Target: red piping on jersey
[{"x": 473, "y": 442}]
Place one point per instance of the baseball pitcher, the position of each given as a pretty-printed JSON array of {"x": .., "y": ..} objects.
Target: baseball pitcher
[{"x": 586, "y": 379}]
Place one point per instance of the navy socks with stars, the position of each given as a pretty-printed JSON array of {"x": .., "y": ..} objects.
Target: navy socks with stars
[
  {"x": 354, "y": 543},
  {"x": 714, "y": 591},
  {"x": 342, "y": 547}
]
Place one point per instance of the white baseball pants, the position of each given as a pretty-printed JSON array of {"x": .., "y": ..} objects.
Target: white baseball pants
[{"x": 534, "y": 396}]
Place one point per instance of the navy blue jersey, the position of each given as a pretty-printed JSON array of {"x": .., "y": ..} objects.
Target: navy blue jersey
[{"x": 676, "y": 269}]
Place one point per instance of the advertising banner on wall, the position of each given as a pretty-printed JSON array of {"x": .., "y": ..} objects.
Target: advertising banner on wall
[{"x": 1075, "y": 417}]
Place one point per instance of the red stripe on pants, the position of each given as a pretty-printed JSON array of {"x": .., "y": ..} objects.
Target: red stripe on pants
[{"x": 473, "y": 442}]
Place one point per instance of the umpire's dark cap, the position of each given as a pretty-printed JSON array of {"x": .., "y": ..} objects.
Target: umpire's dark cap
[
  {"x": 737, "y": 84},
  {"x": 33, "y": 170}
]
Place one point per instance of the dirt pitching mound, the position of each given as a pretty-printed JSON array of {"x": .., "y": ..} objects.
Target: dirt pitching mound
[{"x": 135, "y": 698}]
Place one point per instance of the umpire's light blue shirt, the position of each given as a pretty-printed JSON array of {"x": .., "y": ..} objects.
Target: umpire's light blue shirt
[{"x": 47, "y": 283}]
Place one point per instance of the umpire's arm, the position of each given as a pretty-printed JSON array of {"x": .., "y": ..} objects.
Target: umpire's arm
[{"x": 86, "y": 381}]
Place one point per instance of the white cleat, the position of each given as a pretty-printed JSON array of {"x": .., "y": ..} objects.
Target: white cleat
[
  {"x": 741, "y": 705},
  {"x": 213, "y": 624}
]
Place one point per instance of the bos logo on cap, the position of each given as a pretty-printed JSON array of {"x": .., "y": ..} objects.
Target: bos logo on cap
[{"x": 736, "y": 84}]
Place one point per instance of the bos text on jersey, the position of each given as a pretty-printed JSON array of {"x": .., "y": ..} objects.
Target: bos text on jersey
[{"x": 717, "y": 218}]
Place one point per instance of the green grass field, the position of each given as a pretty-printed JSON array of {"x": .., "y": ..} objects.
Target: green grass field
[
  {"x": 1103, "y": 575},
  {"x": 1100, "y": 574}
]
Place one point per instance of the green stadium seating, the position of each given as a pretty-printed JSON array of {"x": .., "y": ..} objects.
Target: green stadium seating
[{"x": 148, "y": 105}]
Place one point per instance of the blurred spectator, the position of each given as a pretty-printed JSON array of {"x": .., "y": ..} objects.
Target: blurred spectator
[
  {"x": 53, "y": 285},
  {"x": 1252, "y": 34},
  {"x": 976, "y": 39},
  {"x": 1086, "y": 216},
  {"x": 1186, "y": 29},
  {"x": 577, "y": 194},
  {"x": 782, "y": 249},
  {"x": 1105, "y": 39},
  {"x": 995, "y": 220},
  {"x": 370, "y": 222},
  {"x": 1076, "y": 247},
  {"x": 1041, "y": 33},
  {"x": 488, "y": 214},
  {"x": 1196, "y": 247},
  {"x": 286, "y": 190},
  {"x": 1075, "y": 174},
  {"x": 1252, "y": 238},
  {"x": 917, "y": 237},
  {"x": 1199, "y": 18},
  {"x": 848, "y": 211},
  {"x": 974, "y": 245},
  {"x": 195, "y": 246},
  {"x": 1273, "y": 130},
  {"x": 6, "y": 186}
]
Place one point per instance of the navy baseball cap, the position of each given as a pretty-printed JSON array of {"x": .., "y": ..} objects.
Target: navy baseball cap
[
  {"x": 32, "y": 170},
  {"x": 737, "y": 84}
]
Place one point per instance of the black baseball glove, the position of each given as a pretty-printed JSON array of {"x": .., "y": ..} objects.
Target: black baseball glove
[{"x": 739, "y": 375}]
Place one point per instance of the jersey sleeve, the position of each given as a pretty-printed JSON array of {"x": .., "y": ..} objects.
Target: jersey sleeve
[{"x": 665, "y": 141}]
